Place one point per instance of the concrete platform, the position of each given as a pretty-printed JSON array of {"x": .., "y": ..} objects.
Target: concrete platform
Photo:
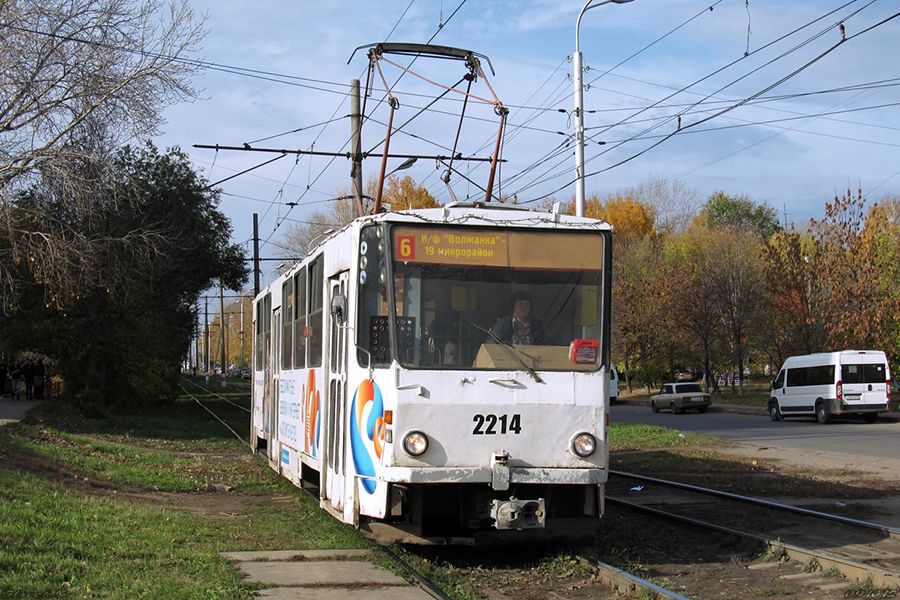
[{"x": 322, "y": 575}]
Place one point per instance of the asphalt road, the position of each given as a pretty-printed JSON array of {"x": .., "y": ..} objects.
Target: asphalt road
[{"x": 880, "y": 440}]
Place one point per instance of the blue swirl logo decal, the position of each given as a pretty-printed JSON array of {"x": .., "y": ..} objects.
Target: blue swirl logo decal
[{"x": 367, "y": 392}]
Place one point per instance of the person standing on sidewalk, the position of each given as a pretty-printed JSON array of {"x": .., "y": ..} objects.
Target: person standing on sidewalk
[
  {"x": 28, "y": 376},
  {"x": 40, "y": 373},
  {"x": 16, "y": 377}
]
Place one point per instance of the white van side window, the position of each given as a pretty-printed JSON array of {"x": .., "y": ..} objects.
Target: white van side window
[
  {"x": 779, "y": 381},
  {"x": 820, "y": 375}
]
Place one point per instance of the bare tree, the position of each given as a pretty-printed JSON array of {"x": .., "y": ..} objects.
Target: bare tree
[
  {"x": 78, "y": 78},
  {"x": 674, "y": 203},
  {"x": 303, "y": 234},
  {"x": 400, "y": 193}
]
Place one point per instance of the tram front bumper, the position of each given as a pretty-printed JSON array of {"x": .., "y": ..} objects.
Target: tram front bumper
[{"x": 517, "y": 475}]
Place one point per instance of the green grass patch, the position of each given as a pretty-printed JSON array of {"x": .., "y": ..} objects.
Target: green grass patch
[
  {"x": 636, "y": 436},
  {"x": 123, "y": 506}
]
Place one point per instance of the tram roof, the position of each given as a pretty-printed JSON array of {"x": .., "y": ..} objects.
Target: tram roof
[{"x": 499, "y": 215}]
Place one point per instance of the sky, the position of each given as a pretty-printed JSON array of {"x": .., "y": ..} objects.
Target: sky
[{"x": 772, "y": 104}]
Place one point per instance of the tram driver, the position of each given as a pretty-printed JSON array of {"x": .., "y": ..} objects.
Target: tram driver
[{"x": 520, "y": 328}]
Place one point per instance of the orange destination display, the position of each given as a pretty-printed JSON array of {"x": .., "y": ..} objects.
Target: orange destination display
[{"x": 498, "y": 248}]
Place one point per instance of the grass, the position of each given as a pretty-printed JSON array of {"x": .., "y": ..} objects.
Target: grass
[
  {"x": 632, "y": 436},
  {"x": 123, "y": 507}
]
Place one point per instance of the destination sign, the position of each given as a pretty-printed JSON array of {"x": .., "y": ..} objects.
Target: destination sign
[{"x": 498, "y": 248}]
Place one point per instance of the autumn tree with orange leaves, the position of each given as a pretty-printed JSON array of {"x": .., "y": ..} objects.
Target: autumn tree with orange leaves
[
  {"x": 789, "y": 262},
  {"x": 638, "y": 287},
  {"x": 857, "y": 274}
]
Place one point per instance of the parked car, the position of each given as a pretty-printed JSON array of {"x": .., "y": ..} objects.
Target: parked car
[
  {"x": 679, "y": 396},
  {"x": 684, "y": 375}
]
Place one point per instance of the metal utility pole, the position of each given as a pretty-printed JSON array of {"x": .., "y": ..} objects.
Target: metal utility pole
[
  {"x": 206, "y": 331},
  {"x": 197, "y": 349},
  {"x": 222, "y": 331},
  {"x": 255, "y": 255},
  {"x": 579, "y": 106},
  {"x": 356, "y": 136},
  {"x": 242, "y": 331}
]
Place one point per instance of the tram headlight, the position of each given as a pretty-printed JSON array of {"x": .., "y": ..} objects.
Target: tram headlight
[
  {"x": 415, "y": 443},
  {"x": 584, "y": 444}
]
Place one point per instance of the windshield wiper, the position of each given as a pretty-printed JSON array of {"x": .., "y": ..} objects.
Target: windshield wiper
[{"x": 509, "y": 348}]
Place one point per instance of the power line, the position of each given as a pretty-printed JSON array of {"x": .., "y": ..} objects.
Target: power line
[{"x": 739, "y": 103}]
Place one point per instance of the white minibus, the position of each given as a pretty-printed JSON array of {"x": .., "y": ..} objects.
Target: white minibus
[{"x": 850, "y": 382}]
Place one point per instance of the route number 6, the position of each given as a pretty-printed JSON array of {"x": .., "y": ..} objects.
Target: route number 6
[{"x": 406, "y": 247}]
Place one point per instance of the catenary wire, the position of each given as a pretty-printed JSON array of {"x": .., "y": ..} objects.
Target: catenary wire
[{"x": 792, "y": 32}]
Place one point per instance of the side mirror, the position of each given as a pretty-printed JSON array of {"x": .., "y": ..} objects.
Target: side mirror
[{"x": 339, "y": 308}]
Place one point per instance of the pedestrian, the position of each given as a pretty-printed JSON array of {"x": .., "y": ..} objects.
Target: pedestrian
[
  {"x": 16, "y": 376},
  {"x": 40, "y": 372},
  {"x": 28, "y": 376}
]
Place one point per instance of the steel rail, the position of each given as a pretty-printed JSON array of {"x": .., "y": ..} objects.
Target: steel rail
[
  {"x": 216, "y": 417},
  {"x": 220, "y": 396},
  {"x": 850, "y": 568},
  {"x": 623, "y": 581},
  {"x": 421, "y": 580},
  {"x": 892, "y": 532}
]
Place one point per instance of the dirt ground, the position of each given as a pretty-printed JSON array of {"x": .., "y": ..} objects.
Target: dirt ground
[{"x": 877, "y": 474}]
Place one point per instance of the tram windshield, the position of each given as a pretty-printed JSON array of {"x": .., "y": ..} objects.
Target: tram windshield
[{"x": 488, "y": 298}]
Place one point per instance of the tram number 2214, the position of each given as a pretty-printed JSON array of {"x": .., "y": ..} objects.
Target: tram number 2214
[{"x": 488, "y": 424}]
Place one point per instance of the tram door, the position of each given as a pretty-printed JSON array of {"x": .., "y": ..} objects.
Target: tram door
[
  {"x": 335, "y": 417},
  {"x": 274, "y": 367}
]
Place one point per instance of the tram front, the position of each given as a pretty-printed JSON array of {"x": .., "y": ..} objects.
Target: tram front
[{"x": 484, "y": 334}]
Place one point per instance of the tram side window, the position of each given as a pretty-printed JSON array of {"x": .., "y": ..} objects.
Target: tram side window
[
  {"x": 314, "y": 326},
  {"x": 287, "y": 323},
  {"x": 257, "y": 338},
  {"x": 263, "y": 331},
  {"x": 300, "y": 311}
]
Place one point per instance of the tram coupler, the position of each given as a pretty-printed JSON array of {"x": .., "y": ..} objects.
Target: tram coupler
[
  {"x": 500, "y": 471},
  {"x": 518, "y": 514}
]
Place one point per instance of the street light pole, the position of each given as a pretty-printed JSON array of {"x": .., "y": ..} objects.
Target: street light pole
[{"x": 579, "y": 105}]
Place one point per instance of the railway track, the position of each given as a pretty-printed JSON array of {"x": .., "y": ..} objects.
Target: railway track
[
  {"x": 618, "y": 580},
  {"x": 215, "y": 394},
  {"x": 860, "y": 550}
]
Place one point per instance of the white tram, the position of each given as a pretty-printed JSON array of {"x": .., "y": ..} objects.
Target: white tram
[{"x": 379, "y": 379}]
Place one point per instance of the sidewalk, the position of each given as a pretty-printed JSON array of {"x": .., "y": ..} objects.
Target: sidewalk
[
  {"x": 322, "y": 575},
  {"x": 13, "y": 410}
]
